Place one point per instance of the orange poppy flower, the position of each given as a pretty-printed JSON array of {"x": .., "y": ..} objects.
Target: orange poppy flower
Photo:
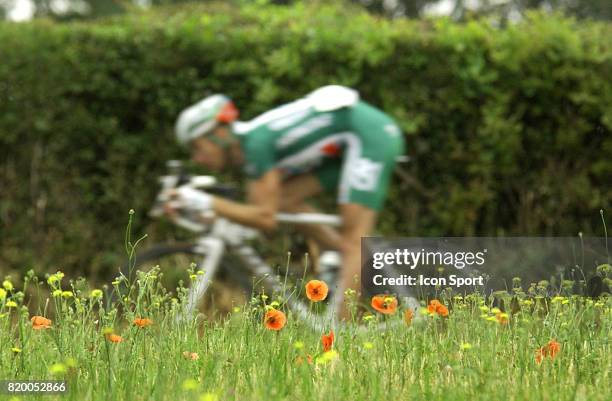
[
  {"x": 142, "y": 322},
  {"x": 433, "y": 306},
  {"x": 385, "y": 304},
  {"x": 436, "y": 307},
  {"x": 39, "y": 323},
  {"x": 434, "y": 303},
  {"x": 299, "y": 360},
  {"x": 275, "y": 319},
  {"x": 191, "y": 355},
  {"x": 114, "y": 338},
  {"x": 551, "y": 350},
  {"x": 327, "y": 340},
  {"x": 442, "y": 311},
  {"x": 408, "y": 316},
  {"x": 316, "y": 290},
  {"x": 540, "y": 354},
  {"x": 502, "y": 318}
]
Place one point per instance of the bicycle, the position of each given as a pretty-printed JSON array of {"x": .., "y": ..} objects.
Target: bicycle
[{"x": 222, "y": 245}]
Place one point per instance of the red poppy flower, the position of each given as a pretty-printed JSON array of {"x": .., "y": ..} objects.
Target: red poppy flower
[
  {"x": 328, "y": 341},
  {"x": 384, "y": 304},
  {"x": 39, "y": 323},
  {"x": 275, "y": 320},
  {"x": 436, "y": 307},
  {"x": 316, "y": 290},
  {"x": 551, "y": 349},
  {"x": 142, "y": 322},
  {"x": 114, "y": 338},
  {"x": 408, "y": 316}
]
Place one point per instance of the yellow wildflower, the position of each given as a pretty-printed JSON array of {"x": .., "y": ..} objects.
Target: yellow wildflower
[
  {"x": 190, "y": 384},
  {"x": 326, "y": 357},
  {"x": 209, "y": 397},
  {"x": 57, "y": 369}
]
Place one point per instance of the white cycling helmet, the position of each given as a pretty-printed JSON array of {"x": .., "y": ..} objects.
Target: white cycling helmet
[{"x": 204, "y": 116}]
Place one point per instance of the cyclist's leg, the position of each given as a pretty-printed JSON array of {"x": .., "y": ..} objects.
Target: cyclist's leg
[
  {"x": 296, "y": 190},
  {"x": 370, "y": 155},
  {"x": 359, "y": 222},
  {"x": 294, "y": 193}
]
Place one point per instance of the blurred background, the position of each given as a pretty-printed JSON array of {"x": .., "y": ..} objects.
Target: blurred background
[
  {"x": 506, "y": 105},
  {"x": 20, "y": 10}
]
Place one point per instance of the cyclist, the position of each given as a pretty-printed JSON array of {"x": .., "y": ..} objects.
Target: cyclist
[{"x": 329, "y": 140}]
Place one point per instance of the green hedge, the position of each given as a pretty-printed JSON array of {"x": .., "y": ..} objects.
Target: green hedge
[{"x": 509, "y": 128}]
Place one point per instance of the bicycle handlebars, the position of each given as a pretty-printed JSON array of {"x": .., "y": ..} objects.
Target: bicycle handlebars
[{"x": 177, "y": 176}]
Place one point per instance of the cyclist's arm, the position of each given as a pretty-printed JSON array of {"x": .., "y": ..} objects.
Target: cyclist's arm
[{"x": 263, "y": 198}]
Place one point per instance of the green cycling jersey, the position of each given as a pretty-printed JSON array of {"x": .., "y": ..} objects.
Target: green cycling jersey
[{"x": 347, "y": 143}]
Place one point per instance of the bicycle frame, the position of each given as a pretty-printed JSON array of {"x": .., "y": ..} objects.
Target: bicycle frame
[
  {"x": 226, "y": 236},
  {"x": 213, "y": 249},
  {"x": 222, "y": 236}
]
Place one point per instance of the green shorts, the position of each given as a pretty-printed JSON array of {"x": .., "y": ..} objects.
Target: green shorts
[{"x": 364, "y": 172}]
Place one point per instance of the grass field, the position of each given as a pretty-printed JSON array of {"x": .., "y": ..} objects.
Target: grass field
[{"x": 460, "y": 349}]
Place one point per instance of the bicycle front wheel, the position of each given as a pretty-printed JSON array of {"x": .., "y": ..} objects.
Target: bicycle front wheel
[{"x": 229, "y": 287}]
